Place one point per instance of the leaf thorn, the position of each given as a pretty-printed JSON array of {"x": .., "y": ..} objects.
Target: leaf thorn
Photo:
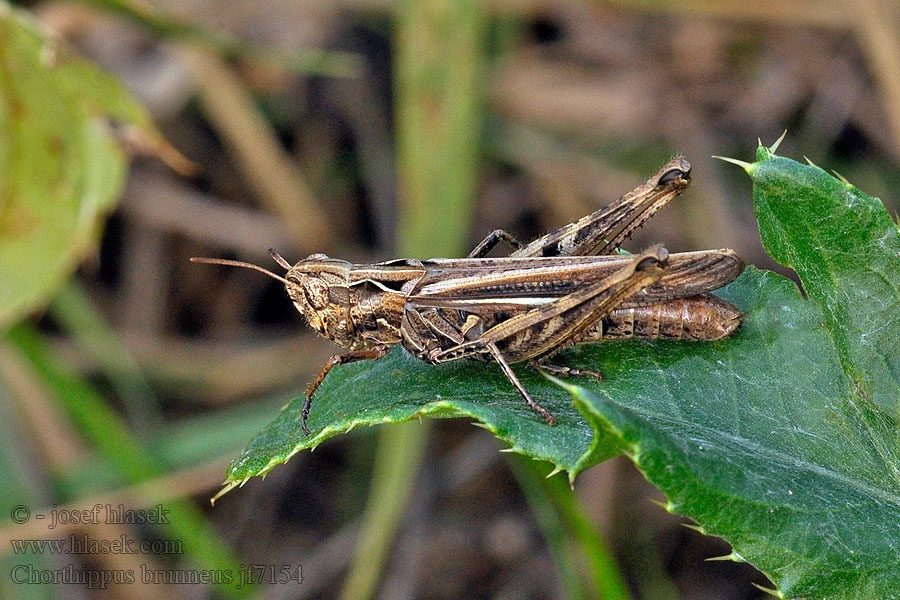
[
  {"x": 697, "y": 528},
  {"x": 730, "y": 556},
  {"x": 842, "y": 179},
  {"x": 769, "y": 591},
  {"x": 748, "y": 167},
  {"x": 667, "y": 506},
  {"x": 777, "y": 143},
  {"x": 227, "y": 486}
]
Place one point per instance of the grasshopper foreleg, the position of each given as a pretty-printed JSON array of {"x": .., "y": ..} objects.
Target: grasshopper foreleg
[{"x": 335, "y": 360}]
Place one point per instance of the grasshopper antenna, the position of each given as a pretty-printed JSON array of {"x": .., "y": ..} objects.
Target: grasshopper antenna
[
  {"x": 245, "y": 265},
  {"x": 277, "y": 258}
]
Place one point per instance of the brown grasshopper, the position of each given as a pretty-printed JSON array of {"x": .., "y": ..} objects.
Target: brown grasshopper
[{"x": 545, "y": 296}]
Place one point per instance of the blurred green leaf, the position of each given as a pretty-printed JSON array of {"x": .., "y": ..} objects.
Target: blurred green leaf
[
  {"x": 61, "y": 170},
  {"x": 102, "y": 426}
]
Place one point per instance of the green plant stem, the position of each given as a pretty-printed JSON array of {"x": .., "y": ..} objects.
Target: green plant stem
[
  {"x": 438, "y": 70},
  {"x": 438, "y": 48},
  {"x": 557, "y": 536},
  {"x": 396, "y": 464},
  {"x": 553, "y": 493}
]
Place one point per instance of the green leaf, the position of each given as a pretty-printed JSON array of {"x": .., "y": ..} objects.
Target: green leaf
[
  {"x": 398, "y": 388},
  {"x": 846, "y": 250},
  {"x": 61, "y": 170},
  {"x": 763, "y": 442},
  {"x": 782, "y": 439}
]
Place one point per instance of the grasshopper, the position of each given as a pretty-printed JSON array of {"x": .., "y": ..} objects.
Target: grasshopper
[{"x": 544, "y": 296}]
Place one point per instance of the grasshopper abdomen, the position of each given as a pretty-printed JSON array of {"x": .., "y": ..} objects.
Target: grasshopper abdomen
[{"x": 696, "y": 318}]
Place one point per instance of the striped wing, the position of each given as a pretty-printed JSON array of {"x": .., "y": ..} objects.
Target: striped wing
[{"x": 514, "y": 284}]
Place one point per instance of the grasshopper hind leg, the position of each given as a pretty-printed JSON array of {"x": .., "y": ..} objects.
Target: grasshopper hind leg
[
  {"x": 492, "y": 239},
  {"x": 419, "y": 329},
  {"x": 507, "y": 370}
]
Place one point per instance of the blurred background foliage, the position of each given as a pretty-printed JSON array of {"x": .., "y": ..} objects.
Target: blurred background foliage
[{"x": 369, "y": 130}]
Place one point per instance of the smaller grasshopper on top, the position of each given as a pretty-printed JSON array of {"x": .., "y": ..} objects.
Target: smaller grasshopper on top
[{"x": 545, "y": 296}]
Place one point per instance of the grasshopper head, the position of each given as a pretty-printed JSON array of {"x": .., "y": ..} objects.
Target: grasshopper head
[{"x": 319, "y": 288}]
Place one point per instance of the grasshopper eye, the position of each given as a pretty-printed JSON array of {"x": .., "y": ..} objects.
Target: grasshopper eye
[
  {"x": 316, "y": 292},
  {"x": 673, "y": 174}
]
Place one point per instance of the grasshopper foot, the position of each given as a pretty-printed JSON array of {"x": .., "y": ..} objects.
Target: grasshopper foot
[
  {"x": 568, "y": 371},
  {"x": 304, "y": 414}
]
